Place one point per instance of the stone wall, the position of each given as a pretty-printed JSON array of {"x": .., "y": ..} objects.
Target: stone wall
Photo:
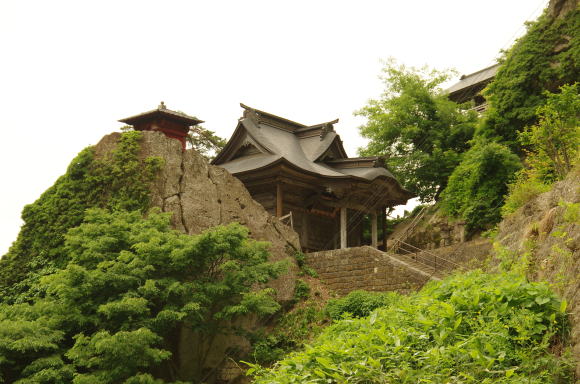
[
  {"x": 434, "y": 230},
  {"x": 470, "y": 255},
  {"x": 345, "y": 270}
]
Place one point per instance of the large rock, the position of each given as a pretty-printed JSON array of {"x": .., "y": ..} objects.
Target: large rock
[
  {"x": 202, "y": 196},
  {"x": 559, "y": 8},
  {"x": 547, "y": 229}
]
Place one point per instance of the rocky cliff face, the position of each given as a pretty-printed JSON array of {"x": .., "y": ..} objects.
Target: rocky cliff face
[
  {"x": 432, "y": 231},
  {"x": 547, "y": 231},
  {"x": 559, "y": 8},
  {"x": 202, "y": 196}
]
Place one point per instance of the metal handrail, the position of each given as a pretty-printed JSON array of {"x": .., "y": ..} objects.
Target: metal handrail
[
  {"x": 434, "y": 270},
  {"x": 435, "y": 257},
  {"x": 409, "y": 229}
]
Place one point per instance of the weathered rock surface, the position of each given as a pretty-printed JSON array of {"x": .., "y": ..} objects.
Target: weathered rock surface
[
  {"x": 433, "y": 230},
  {"x": 548, "y": 231},
  {"x": 559, "y": 8},
  {"x": 202, "y": 196}
]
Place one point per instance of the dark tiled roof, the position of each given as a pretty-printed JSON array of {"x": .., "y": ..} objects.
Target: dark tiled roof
[
  {"x": 279, "y": 140},
  {"x": 162, "y": 111}
]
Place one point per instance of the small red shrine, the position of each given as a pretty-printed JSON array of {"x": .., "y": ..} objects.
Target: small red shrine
[{"x": 172, "y": 123}]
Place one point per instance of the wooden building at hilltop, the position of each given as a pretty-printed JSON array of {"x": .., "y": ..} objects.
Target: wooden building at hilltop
[
  {"x": 469, "y": 87},
  {"x": 303, "y": 172}
]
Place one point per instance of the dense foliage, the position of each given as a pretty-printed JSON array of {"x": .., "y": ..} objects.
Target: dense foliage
[
  {"x": 554, "y": 142},
  {"x": 293, "y": 330},
  {"x": 545, "y": 58},
  {"x": 131, "y": 289},
  {"x": 357, "y": 304},
  {"x": 120, "y": 181},
  {"x": 471, "y": 328},
  {"x": 477, "y": 187},
  {"x": 419, "y": 130},
  {"x": 553, "y": 147}
]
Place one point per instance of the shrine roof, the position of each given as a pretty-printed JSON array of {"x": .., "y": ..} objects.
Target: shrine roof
[
  {"x": 262, "y": 140},
  {"x": 162, "y": 111}
]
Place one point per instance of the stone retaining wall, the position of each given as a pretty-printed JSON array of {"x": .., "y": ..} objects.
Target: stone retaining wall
[
  {"x": 345, "y": 270},
  {"x": 470, "y": 255}
]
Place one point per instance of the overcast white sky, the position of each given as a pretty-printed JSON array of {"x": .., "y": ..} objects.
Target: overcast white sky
[{"x": 70, "y": 69}]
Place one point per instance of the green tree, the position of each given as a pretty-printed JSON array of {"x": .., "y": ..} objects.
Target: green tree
[
  {"x": 551, "y": 147},
  {"x": 132, "y": 288},
  {"x": 204, "y": 141},
  {"x": 420, "y": 131},
  {"x": 553, "y": 143},
  {"x": 478, "y": 185},
  {"x": 545, "y": 58}
]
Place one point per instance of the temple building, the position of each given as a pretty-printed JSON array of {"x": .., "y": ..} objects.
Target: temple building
[
  {"x": 172, "y": 123},
  {"x": 303, "y": 174},
  {"x": 469, "y": 87}
]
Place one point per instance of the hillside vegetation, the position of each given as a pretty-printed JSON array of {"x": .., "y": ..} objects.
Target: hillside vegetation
[{"x": 471, "y": 328}]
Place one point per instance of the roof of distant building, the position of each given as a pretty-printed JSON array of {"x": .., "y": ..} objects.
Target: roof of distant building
[{"x": 473, "y": 79}]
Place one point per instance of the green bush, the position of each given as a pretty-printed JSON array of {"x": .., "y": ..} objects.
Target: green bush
[
  {"x": 131, "y": 285},
  {"x": 301, "y": 290},
  {"x": 470, "y": 328},
  {"x": 357, "y": 304},
  {"x": 293, "y": 329},
  {"x": 521, "y": 191},
  {"x": 545, "y": 58},
  {"x": 478, "y": 185},
  {"x": 118, "y": 182}
]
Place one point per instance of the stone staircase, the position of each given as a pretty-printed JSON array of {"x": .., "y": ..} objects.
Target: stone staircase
[
  {"x": 411, "y": 262},
  {"x": 367, "y": 268}
]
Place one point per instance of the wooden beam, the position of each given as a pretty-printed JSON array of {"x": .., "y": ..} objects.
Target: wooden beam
[
  {"x": 279, "y": 200},
  {"x": 374, "y": 234},
  {"x": 343, "y": 232}
]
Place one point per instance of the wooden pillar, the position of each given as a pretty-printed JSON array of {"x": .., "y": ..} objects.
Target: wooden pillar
[
  {"x": 384, "y": 227},
  {"x": 304, "y": 238},
  {"x": 279, "y": 200},
  {"x": 374, "y": 234},
  {"x": 343, "y": 231}
]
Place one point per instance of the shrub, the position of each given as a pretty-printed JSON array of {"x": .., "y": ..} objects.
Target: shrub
[
  {"x": 357, "y": 304},
  {"x": 478, "y": 185},
  {"x": 301, "y": 290},
  {"x": 131, "y": 285},
  {"x": 292, "y": 331},
  {"x": 522, "y": 190},
  {"x": 545, "y": 58},
  {"x": 470, "y": 328}
]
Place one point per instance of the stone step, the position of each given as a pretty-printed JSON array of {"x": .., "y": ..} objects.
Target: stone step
[{"x": 427, "y": 269}]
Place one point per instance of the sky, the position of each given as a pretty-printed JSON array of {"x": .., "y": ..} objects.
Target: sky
[{"x": 70, "y": 69}]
